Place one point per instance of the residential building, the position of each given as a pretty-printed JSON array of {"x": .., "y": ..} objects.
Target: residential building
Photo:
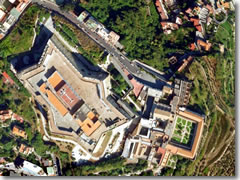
[
  {"x": 7, "y": 78},
  {"x": 10, "y": 11},
  {"x": 205, "y": 45},
  {"x": 5, "y": 115},
  {"x": 161, "y": 9},
  {"x": 19, "y": 132},
  {"x": 196, "y": 23},
  {"x": 2, "y": 15},
  {"x": 100, "y": 29},
  {"x": 17, "y": 117},
  {"x": 25, "y": 149},
  {"x": 185, "y": 63}
]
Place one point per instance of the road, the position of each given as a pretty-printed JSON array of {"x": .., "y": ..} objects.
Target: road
[
  {"x": 214, "y": 13},
  {"x": 120, "y": 57}
]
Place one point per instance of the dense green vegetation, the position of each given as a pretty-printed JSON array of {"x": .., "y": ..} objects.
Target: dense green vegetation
[
  {"x": 16, "y": 97},
  {"x": 76, "y": 38},
  {"x": 16, "y": 100},
  {"x": 21, "y": 37},
  {"x": 138, "y": 24},
  {"x": 19, "y": 41},
  {"x": 118, "y": 82},
  {"x": 225, "y": 68},
  {"x": 8, "y": 141},
  {"x": 109, "y": 167},
  {"x": 217, "y": 88}
]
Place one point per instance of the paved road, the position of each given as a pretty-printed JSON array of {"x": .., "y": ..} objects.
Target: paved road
[
  {"x": 214, "y": 13},
  {"x": 123, "y": 60}
]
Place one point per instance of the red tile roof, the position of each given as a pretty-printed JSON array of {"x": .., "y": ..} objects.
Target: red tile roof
[
  {"x": 7, "y": 78},
  {"x": 53, "y": 99},
  {"x": 196, "y": 24},
  {"x": 189, "y": 10},
  {"x": 160, "y": 10},
  {"x": 192, "y": 46},
  {"x": 68, "y": 96},
  {"x": 161, "y": 151},
  {"x": 195, "y": 21},
  {"x": 137, "y": 87},
  {"x": 199, "y": 28}
]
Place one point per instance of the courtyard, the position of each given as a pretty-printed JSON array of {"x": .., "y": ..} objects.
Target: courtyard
[{"x": 183, "y": 131}]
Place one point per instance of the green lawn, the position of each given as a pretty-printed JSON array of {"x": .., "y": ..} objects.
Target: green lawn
[
  {"x": 179, "y": 120},
  {"x": 182, "y": 130},
  {"x": 172, "y": 161},
  {"x": 177, "y": 139},
  {"x": 17, "y": 41},
  {"x": 188, "y": 129},
  {"x": 184, "y": 122},
  {"x": 20, "y": 39}
]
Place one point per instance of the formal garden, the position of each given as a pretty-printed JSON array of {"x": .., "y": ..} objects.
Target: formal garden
[
  {"x": 172, "y": 161},
  {"x": 183, "y": 130}
]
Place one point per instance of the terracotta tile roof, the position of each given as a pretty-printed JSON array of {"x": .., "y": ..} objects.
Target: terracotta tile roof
[
  {"x": 43, "y": 88},
  {"x": 161, "y": 151},
  {"x": 199, "y": 28},
  {"x": 192, "y": 46},
  {"x": 89, "y": 127},
  {"x": 161, "y": 10},
  {"x": 189, "y": 10},
  {"x": 55, "y": 79},
  {"x": 5, "y": 114},
  {"x": 18, "y": 118},
  {"x": 19, "y": 132},
  {"x": 90, "y": 124},
  {"x": 137, "y": 87},
  {"x": 22, "y": 148},
  {"x": 226, "y": 5},
  {"x": 196, "y": 24},
  {"x": 186, "y": 153},
  {"x": 54, "y": 100},
  {"x": 195, "y": 21},
  {"x": 91, "y": 115},
  {"x": 22, "y": 5},
  {"x": 2, "y": 15},
  {"x": 206, "y": 46},
  {"x": 185, "y": 63},
  {"x": 8, "y": 78}
]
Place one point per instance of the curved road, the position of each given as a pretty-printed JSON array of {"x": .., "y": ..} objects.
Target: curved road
[{"x": 123, "y": 60}]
